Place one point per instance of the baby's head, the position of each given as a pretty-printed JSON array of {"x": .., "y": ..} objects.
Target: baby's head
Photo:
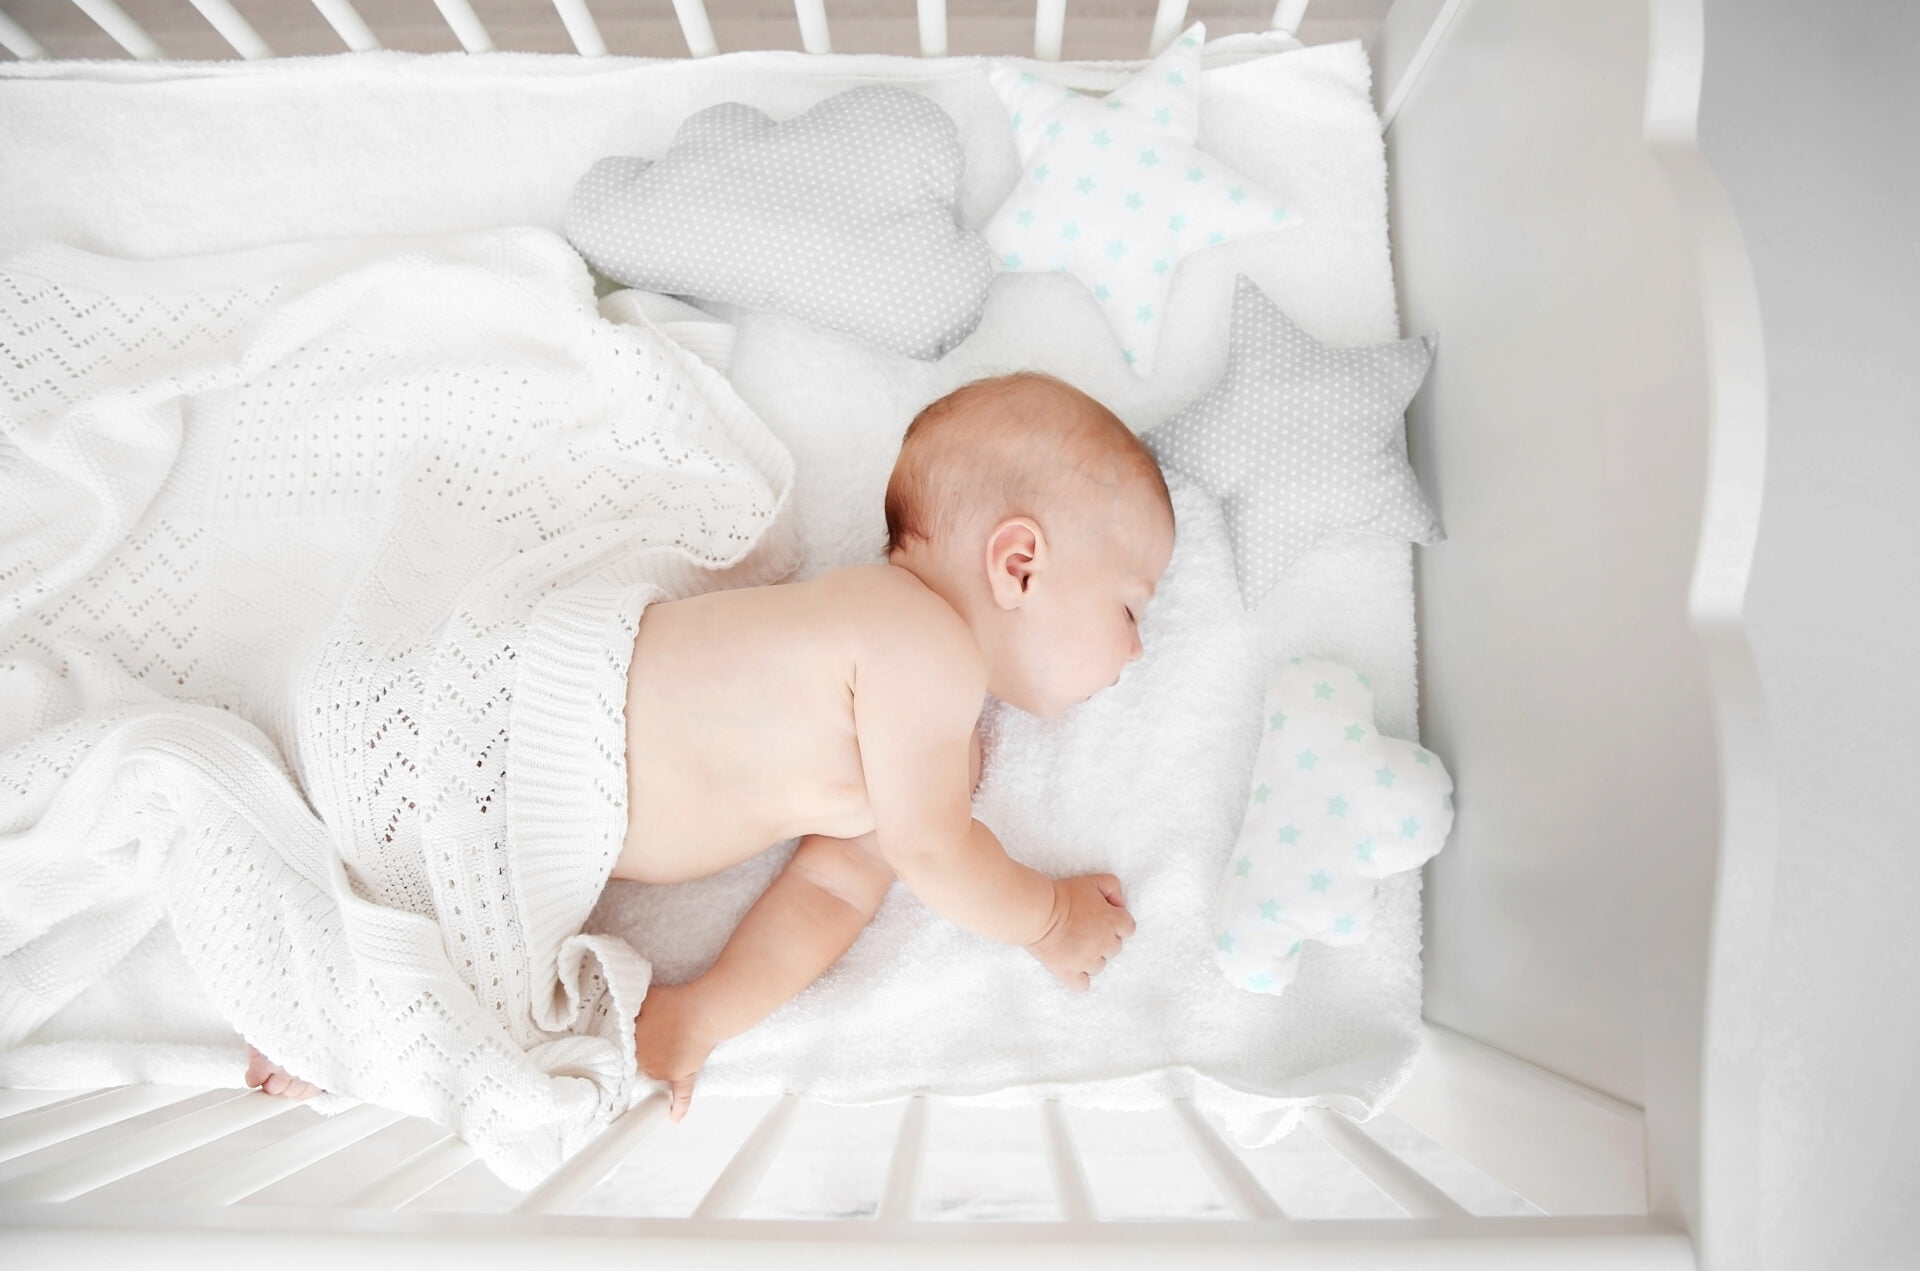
[{"x": 1043, "y": 521}]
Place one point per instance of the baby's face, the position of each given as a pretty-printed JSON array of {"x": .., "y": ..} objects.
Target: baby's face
[{"x": 1087, "y": 630}]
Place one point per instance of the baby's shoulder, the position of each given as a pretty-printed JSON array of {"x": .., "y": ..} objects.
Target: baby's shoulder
[{"x": 908, "y": 629}]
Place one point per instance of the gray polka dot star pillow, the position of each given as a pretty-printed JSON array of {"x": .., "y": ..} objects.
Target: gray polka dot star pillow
[
  {"x": 844, "y": 216},
  {"x": 1300, "y": 440}
]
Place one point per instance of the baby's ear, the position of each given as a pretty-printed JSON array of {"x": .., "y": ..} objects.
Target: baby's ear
[{"x": 1015, "y": 549}]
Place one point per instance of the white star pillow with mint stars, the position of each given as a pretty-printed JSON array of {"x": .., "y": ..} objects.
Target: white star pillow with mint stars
[
  {"x": 1115, "y": 192},
  {"x": 1335, "y": 807},
  {"x": 1300, "y": 440}
]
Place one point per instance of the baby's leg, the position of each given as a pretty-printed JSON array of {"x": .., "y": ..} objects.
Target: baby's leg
[
  {"x": 810, "y": 915},
  {"x": 274, "y": 1079}
]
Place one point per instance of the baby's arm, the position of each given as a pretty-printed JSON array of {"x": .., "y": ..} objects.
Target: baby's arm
[{"x": 915, "y": 703}]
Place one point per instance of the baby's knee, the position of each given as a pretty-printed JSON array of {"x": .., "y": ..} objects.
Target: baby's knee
[{"x": 851, "y": 869}]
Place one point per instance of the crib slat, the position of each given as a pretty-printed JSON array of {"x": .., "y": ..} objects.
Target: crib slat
[
  {"x": 241, "y": 1176},
  {"x": 14, "y": 38},
  {"x": 694, "y": 25},
  {"x": 148, "y": 1147},
  {"x": 1063, "y": 1162},
  {"x": 595, "y": 1161},
  {"x": 1049, "y": 25},
  {"x": 1287, "y": 15},
  {"x": 900, "y": 1196},
  {"x": 1403, "y": 1184},
  {"x": 466, "y": 25},
  {"x": 933, "y": 27},
  {"x": 1235, "y": 1181},
  {"x": 233, "y": 28},
  {"x": 581, "y": 28},
  {"x": 419, "y": 1173},
  {"x": 32, "y": 1131},
  {"x": 741, "y": 1178},
  {"x": 127, "y": 33},
  {"x": 347, "y": 24},
  {"x": 14, "y": 1103},
  {"x": 813, "y": 25},
  {"x": 1167, "y": 22}
]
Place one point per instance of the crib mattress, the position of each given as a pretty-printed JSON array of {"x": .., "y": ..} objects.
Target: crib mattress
[{"x": 152, "y": 160}]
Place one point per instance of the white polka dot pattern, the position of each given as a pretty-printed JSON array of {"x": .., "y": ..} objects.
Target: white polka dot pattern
[
  {"x": 844, "y": 216},
  {"x": 1116, "y": 193},
  {"x": 1300, "y": 440}
]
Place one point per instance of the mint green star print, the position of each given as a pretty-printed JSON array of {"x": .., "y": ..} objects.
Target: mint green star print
[
  {"x": 1196, "y": 175},
  {"x": 1177, "y": 222},
  {"x": 1026, "y": 216},
  {"x": 1163, "y": 116},
  {"x": 1084, "y": 185},
  {"x": 1386, "y": 776},
  {"x": 1409, "y": 827},
  {"x": 1259, "y": 981},
  {"x": 1307, "y": 759},
  {"x": 1011, "y": 260},
  {"x": 1161, "y": 265},
  {"x": 1260, "y": 792},
  {"x": 1244, "y": 868},
  {"x": 1135, "y": 202},
  {"x": 1216, "y": 238},
  {"x": 1355, "y": 732},
  {"x": 1100, "y": 292},
  {"x": 1364, "y": 681},
  {"x": 1323, "y": 691},
  {"x": 1144, "y": 313},
  {"x": 1053, "y": 130},
  {"x": 1226, "y": 942},
  {"x": 1116, "y": 248},
  {"x": 1270, "y": 910},
  {"x": 1018, "y": 120},
  {"x": 1148, "y": 158},
  {"x": 1319, "y": 880},
  {"x": 1101, "y": 139},
  {"x": 1070, "y": 231},
  {"x": 1041, "y": 171},
  {"x": 1294, "y": 949},
  {"x": 1364, "y": 850},
  {"x": 1288, "y": 834},
  {"x": 1237, "y": 194},
  {"x": 1176, "y": 78},
  {"x": 1344, "y": 924},
  {"x": 1336, "y": 806},
  {"x": 1422, "y": 757},
  {"x": 1279, "y": 720}
]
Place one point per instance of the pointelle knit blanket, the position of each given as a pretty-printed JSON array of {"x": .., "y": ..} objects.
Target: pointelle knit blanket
[{"x": 319, "y": 569}]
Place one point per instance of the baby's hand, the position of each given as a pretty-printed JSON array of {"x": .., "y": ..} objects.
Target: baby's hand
[
  {"x": 669, "y": 1045},
  {"x": 1089, "y": 921}
]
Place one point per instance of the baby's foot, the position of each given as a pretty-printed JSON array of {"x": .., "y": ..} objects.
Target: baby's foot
[{"x": 274, "y": 1079}]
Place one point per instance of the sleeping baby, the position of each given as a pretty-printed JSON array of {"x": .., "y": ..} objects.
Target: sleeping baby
[{"x": 1028, "y": 529}]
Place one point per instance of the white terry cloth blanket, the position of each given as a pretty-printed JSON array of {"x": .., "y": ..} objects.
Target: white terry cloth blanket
[{"x": 322, "y": 569}]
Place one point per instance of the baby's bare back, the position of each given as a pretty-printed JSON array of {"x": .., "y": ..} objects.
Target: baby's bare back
[{"x": 740, "y": 722}]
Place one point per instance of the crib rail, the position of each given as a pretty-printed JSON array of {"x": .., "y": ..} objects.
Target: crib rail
[
  {"x": 583, "y": 32},
  {"x": 166, "y": 1171}
]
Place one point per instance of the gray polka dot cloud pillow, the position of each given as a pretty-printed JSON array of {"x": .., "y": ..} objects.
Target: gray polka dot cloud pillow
[
  {"x": 844, "y": 216},
  {"x": 1300, "y": 440}
]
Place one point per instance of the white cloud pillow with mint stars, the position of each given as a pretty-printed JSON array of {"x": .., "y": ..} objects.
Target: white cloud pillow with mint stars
[
  {"x": 1335, "y": 806},
  {"x": 1115, "y": 191}
]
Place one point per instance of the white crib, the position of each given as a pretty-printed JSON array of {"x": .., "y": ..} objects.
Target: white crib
[{"x": 1555, "y": 223}]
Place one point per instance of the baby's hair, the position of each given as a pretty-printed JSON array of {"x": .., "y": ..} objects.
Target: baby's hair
[{"x": 1006, "y": 442}]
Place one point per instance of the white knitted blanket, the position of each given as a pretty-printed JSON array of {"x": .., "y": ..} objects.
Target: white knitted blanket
[{"x": 287, "y": 539}]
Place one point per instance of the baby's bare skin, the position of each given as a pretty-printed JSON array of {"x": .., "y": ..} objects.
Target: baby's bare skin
[
  {"x": 740, "y": 719},
  {"x": 844, "y": 711}
]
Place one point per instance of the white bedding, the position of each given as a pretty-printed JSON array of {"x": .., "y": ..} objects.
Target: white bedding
[{"x": 229, "y": 155}]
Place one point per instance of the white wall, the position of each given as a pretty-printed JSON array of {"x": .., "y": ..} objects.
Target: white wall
[{"x": 1810, "y": 117}]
